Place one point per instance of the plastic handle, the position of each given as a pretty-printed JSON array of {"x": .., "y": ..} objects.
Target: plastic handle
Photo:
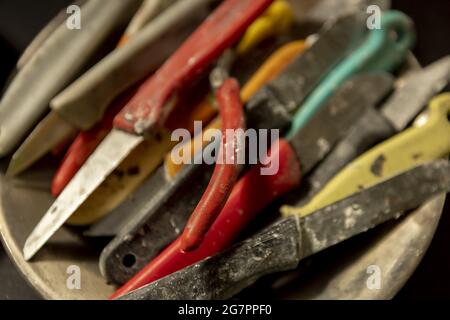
[
  {"x": 225, "y": 174},
  {"x": 381, "y": 52},
  {"x": 150, "y": 107},
  {"x": 277, "y": 19},
  {"x": 415, "y": 146}
]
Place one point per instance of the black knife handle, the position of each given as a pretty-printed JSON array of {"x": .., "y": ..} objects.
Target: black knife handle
[
  {"x": 222, "y": 276},
  {"x": 158, "y": 223}
]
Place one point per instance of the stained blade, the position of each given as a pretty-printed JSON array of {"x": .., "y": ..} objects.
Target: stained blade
[
  {"x": 114, "y": 148},
  {"x": 47, "y": 135},
  {"x": 283, "y": 244},
  {"x": 400, "y": 109}
]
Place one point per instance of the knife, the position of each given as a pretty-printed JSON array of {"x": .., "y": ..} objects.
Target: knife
[
  {"x": 412, "y": 94},
  {"x": 276, "y": 103},
  {"x": 37, "y": 42},
  {"x": 148, "y": 109},
  {"x": 110, "y": 225},
  {"x": 114, "y": 190},
  {"x": 148, "y": 10},
  {"x": 281, "y": 246},
  {"x": 427, "y": 140},
  {"x": 157, "y": 223},
  {"x": 339, "y": 37},
  {"x": 380, "y": 52},
  {"x": 80, "y": 106},
  {"x": 55, "y": 64}
]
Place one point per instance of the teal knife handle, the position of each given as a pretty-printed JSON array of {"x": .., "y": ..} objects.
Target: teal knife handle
[{"x": 384, "y": 50}]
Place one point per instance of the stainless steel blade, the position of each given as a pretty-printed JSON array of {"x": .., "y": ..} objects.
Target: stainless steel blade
[
  {"x": 282, "y": 245},
  {"x": 415, "y": 91},
  {"x": 110, "y": 153},
  {"x": 47, "y": 135}
]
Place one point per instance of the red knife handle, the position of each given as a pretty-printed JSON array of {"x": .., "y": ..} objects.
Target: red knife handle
[
  {"x": 225, "y": 174},
  {"x": 154, "y": 100},
  {"x": 251, "y": 194},
  {"x": 85, "y": 144}
]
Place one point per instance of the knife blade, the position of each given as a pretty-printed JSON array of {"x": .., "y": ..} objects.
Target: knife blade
[
  {"x": 342, "y": 110},
  {"x": 149, "y": 109},
  {"x": 285, "y": 243}
]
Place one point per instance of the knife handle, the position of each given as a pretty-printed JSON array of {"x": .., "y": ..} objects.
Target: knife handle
[
  {"x": 380, "y": 52},
  {"x": 251, "y": 194},
  {"x": 422, "y": 143},
  {"x": 222, "y": 276},
  {"x": 277, "y": 19},
  {"x": 225, "y": 173},
  {"x": 152, "y": 104}
]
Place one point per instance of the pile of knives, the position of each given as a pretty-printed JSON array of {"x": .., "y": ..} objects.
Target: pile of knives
[{"x": 363, "y": 135}]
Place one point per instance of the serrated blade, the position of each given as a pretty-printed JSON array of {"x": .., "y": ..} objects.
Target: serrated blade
[
  {"x": 47, "y": 135},
  {"x": 111, "y": 152}
]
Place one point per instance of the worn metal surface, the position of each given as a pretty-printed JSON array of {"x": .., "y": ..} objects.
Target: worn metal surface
[{"x": 282, "y": 245}]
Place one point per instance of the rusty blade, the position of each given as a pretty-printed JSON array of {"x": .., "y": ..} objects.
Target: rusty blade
[
  {"x": 283, "y": 244},
  {"x": 110, "y": 153},
  {"x": 47, "y": 135}
]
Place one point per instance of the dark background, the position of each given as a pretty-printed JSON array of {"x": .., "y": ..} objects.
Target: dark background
[{"x": 20, "y": 20}]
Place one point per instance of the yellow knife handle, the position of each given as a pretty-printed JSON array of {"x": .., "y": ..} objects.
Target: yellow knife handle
[
  {"x": 277, "y": 19},
  {"x": 427, "y": 140}
]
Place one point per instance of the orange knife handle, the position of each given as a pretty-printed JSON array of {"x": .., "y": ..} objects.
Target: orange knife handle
[
  {"x": 251, "y": 194},
  {"x": 149, "y": 108}
]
